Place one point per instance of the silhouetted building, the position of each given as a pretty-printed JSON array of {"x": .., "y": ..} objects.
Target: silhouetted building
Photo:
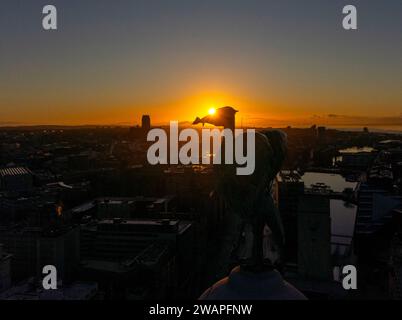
[
  {"x": 289, "y": 188},
  {"x": 321, "y": 134},
  {"x": 33, "y": 290},
  {"x": 139, "y": 133},
  {"x": 314, "y": 233},
  {"x": 16, "y": 179},
  {"x": 5, "y": 269},
  {"x": 357, "y": 159},
  {"x": 33, "y": 248},
  {"x": 118, "y": 238},
  {"x": 146, "y": 122},
  {"x": 151, "y": 274},
  {"x": 125, "y": 207},
  {"x": 375, "y": 207},
  {"x": 395, "y": 272},
  {"x": 114, "y": 243}
]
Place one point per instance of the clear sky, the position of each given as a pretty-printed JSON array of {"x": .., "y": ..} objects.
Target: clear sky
[{"x": 278, "y": 62}]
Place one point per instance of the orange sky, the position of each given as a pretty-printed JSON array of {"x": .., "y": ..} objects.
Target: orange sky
[{"x": 278, "y": 62}]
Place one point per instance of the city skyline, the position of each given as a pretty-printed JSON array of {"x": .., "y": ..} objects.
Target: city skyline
[{"x": 279, "y": 62}]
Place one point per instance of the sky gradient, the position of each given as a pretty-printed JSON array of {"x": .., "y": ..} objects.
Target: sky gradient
[{"x": 278, "y": 62}]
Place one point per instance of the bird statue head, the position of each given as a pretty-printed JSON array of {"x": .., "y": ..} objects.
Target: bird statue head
[{"x": 223, "y": 117}]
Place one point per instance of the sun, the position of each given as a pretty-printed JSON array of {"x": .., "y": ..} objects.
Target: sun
[{"x": 212, "y": 111}]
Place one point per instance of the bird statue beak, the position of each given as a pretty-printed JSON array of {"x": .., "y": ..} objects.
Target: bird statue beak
[{"x": 197, "y": 121}]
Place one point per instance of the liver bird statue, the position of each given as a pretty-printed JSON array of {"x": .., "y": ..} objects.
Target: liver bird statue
[{"x": 249, "y": 198}]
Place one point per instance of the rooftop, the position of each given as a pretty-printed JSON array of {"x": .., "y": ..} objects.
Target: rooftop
[
  {"x": 31, "y": 290},
  {"x": 140, "y": 225},
  {"x": 149, "y": 257},
  {"x": 15, "y": 171}
]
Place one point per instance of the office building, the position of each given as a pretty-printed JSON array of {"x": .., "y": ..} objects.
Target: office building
[{"x": 16, "y": 179}]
